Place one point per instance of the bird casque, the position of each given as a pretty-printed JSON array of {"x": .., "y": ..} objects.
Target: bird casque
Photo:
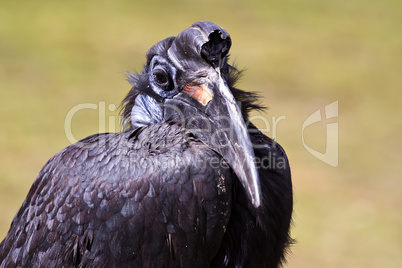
[{"x": 187, "y": 183}]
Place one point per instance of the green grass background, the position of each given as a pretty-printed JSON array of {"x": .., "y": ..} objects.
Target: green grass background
[{"x": 300, "y": 55}]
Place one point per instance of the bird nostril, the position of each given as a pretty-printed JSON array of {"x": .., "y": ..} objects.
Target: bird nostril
[{"x": 216, "y": 48}]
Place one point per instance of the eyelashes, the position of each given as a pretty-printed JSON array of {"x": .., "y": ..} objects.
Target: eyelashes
[{"x": 162, "y": 78}]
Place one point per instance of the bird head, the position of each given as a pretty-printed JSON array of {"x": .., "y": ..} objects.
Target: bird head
[{"x": 185, "y": 79}]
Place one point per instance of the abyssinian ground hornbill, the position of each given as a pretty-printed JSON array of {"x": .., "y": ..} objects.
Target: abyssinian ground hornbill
[{"x": 187, "y": 183}]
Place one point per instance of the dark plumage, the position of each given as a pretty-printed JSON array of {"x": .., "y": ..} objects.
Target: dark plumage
[{"x": 180, "y": 186}]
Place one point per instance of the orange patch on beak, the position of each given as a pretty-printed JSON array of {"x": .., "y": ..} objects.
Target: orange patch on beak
[{"x": 202, "y": 94}]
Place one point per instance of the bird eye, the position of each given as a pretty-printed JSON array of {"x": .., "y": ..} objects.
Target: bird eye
[{"x": 162, "y": 78}]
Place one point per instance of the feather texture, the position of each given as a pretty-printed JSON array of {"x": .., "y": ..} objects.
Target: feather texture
[{"x": 105, "y": 202}]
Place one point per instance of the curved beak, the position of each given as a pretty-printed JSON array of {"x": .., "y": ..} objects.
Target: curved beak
[
  {"x": 219, "y": 124},
  {"x": 233, "y": 141},
  {"x": 207, "y": 104}
]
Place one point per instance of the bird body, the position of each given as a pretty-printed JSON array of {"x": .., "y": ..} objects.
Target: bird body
[
  {"x": 186, "y": 184},
  {"x": 134, "y": 201}
]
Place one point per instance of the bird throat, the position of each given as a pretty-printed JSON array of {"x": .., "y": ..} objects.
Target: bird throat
[{"x": 146, "y": 111}]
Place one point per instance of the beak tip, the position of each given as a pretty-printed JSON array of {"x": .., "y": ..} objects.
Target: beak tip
[
  {"x": 256, "y": 200},
  {"x": 257, "y": 203}
]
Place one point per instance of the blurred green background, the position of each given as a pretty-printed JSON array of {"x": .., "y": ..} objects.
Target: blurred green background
[{"x": 300, "y": 55}]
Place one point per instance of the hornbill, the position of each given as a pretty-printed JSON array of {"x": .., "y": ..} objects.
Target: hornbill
[{"x": 186, "y": 183}]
